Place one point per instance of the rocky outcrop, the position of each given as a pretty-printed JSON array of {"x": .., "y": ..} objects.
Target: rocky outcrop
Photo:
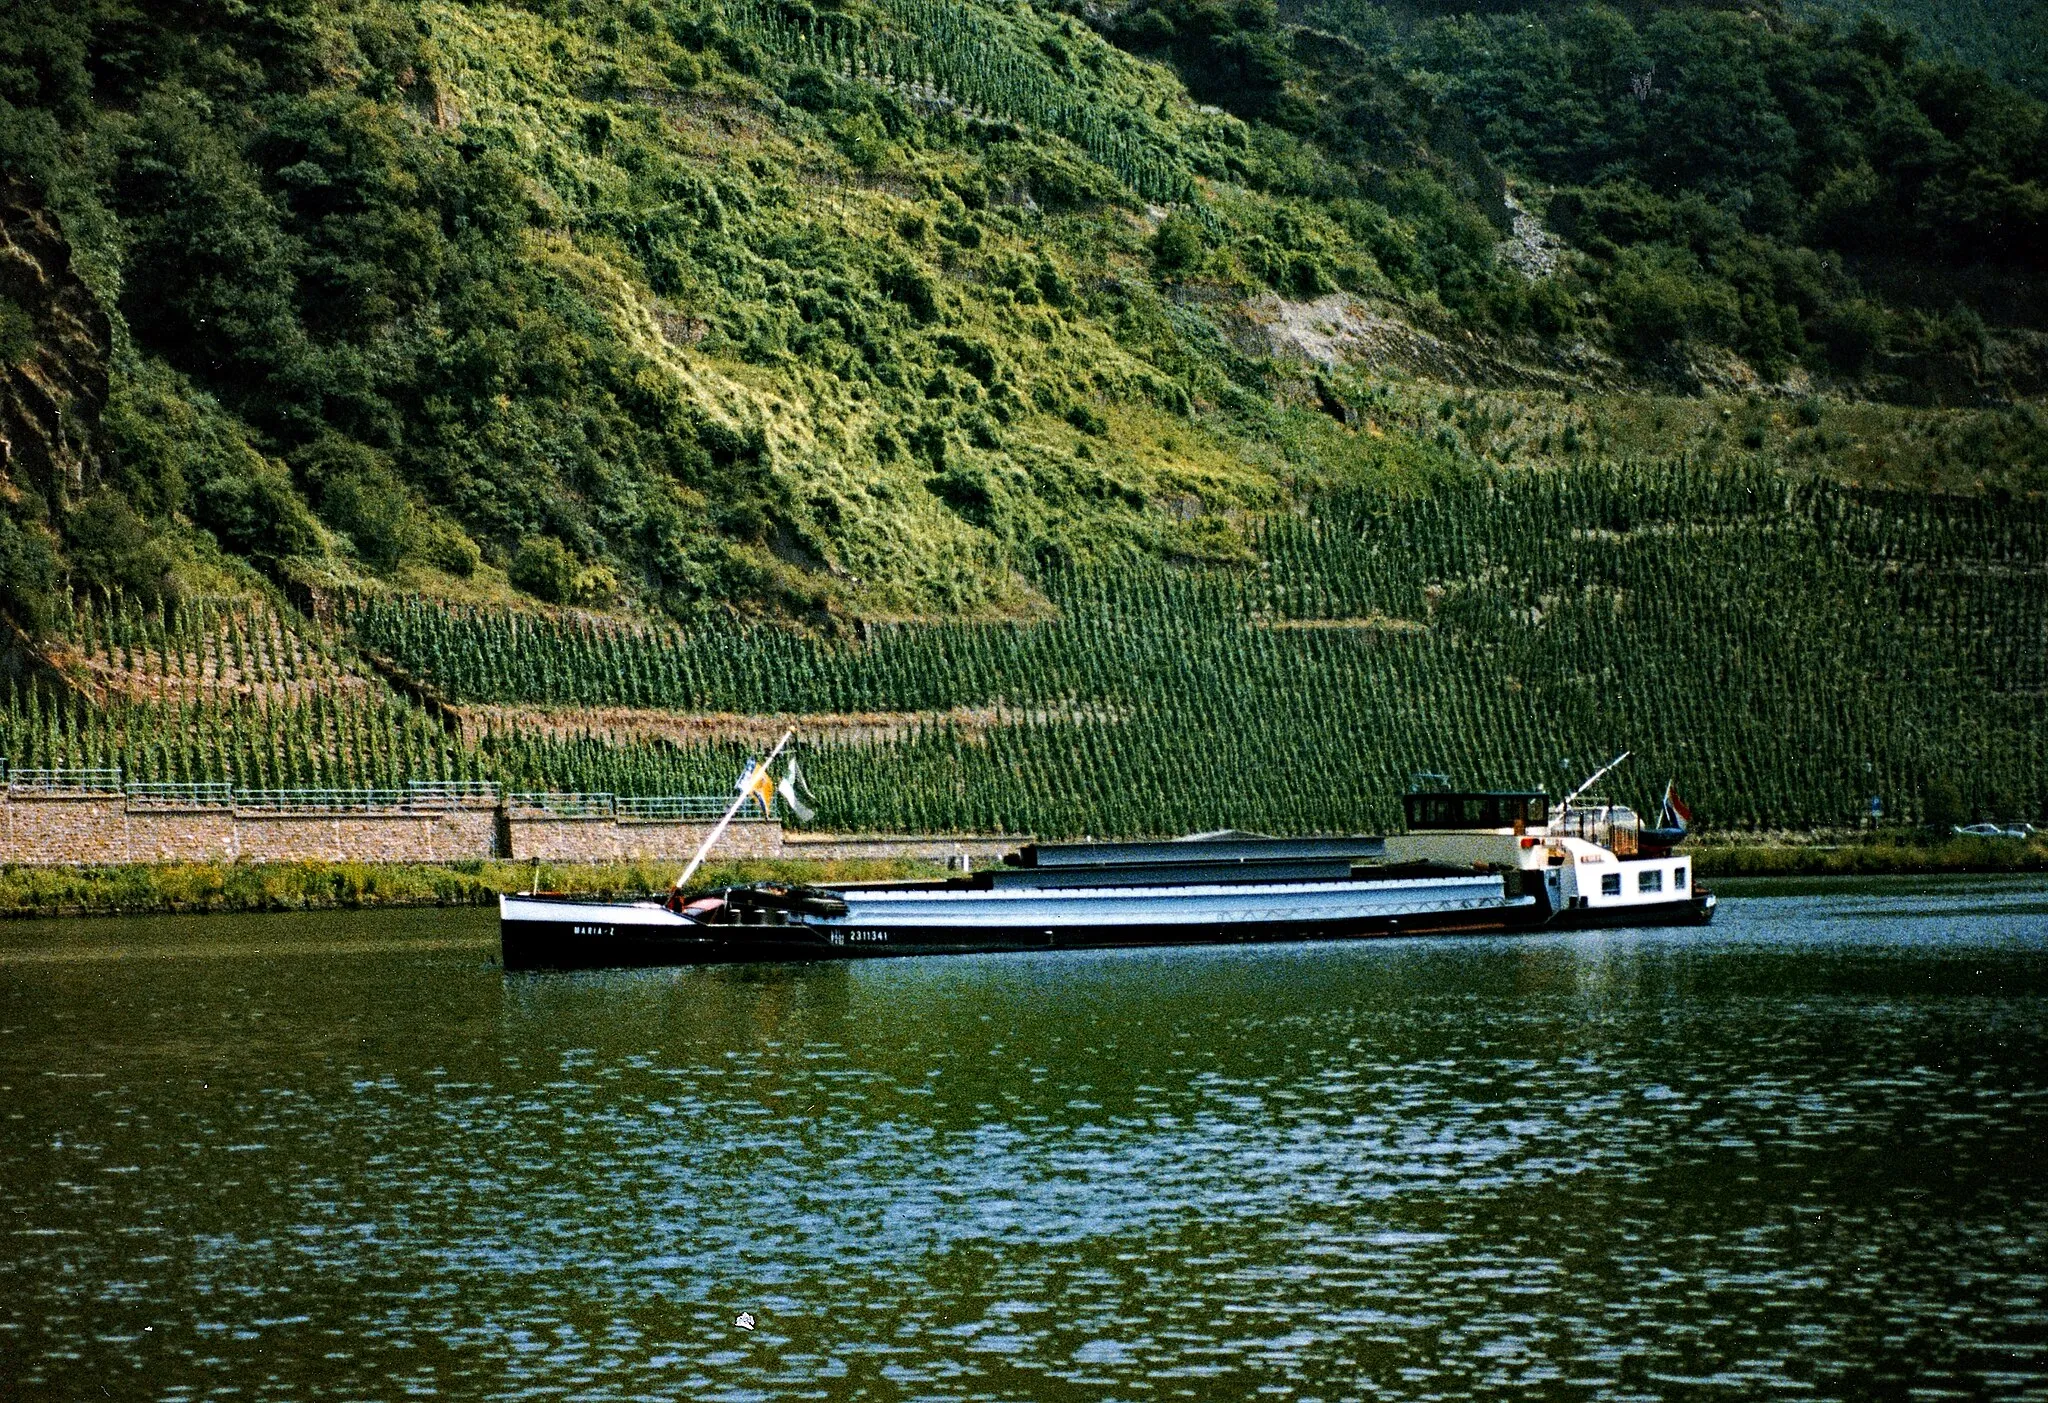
[
  {"x": 1340, "y": 329},
  {"x": 53, "y": 383}
]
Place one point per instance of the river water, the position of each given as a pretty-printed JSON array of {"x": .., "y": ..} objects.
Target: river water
[{"x": 342, "y": 1156}]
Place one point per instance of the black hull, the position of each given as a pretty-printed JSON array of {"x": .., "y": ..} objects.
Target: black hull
[
  {"x": 556, "y": 945},
  {"x": 1693, "y": 911}
]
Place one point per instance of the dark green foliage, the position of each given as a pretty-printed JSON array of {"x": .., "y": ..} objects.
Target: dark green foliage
[
  {"x": 113, "y": 550},
  {"x": 45, "y": 87},
  {"x": 1656, "y": 305},
  {"x": 912, "y": 286},
  {"x": 1177, "y": 246},
  {"x": 1235, "y": 55},
  {"x": 250, "y": 505},
  {"x": 447, "y": 547},
  {"x": 544, "y": 569},
  {"x": 17, "y": 332},
  {"x": 359, "y": 496},
  {"x": 1941, "y": 803},
  {"x": 2007, "y": 38},
  {"x": 1762, "y": 140},
  {"x": 28, "y": 571},
  {"x": 1853, "y": 331},
  {"x": 1758, "y": 138}
]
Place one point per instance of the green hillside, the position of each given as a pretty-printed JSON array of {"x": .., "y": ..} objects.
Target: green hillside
[
  {"x": 2006, "y": 38},
  {"x": 1030, "y": 352}
]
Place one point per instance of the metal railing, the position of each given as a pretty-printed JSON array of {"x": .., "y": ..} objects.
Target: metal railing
[
  {"x": 64, "y": 782},
  {"x": 322, "y": 801},
  {"x": 452, "y": 793},
  {"x": 181, "y": 796},
  {"x": 416, "y": 797},
  {"x": 559, "y": 805},
  {"x": 675, "y": 806}
]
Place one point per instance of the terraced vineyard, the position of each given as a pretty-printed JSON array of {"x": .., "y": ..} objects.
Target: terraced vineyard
[
  {"x": 223, "y": 690},
  {"x": 1017, "y": 69},
  {"x": 1783, "y": 650}
]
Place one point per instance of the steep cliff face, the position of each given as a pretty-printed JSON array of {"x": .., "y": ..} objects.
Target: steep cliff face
[{"x": 54, "y": 344}]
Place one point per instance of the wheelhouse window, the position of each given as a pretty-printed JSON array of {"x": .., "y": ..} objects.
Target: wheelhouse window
[
  {"x": 1610, "y": 884},
  {"x": 1652, "y": 880},
  {"x": 1492, "y": 810}
]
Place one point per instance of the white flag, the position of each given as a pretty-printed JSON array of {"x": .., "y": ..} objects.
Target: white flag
[{"x": 793, "y": 784}]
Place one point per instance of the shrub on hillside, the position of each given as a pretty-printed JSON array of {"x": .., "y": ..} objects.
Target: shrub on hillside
[
  {"x": 544, "y": 568},
  {"x": 1853, "y": 333},
  {"x": 113, "y": 549}
]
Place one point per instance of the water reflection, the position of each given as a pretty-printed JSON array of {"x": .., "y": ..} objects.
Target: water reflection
[{"x": 1800, "y": 1152}]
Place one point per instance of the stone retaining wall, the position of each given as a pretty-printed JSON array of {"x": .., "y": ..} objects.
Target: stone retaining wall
[
  {"x": 447, "y": 836},
  {"x": 52, "y": 830},
  {"x": 78, "y": 830},
  {"x": 60, "y": 830},
  {"x": 614, "y": 840}
]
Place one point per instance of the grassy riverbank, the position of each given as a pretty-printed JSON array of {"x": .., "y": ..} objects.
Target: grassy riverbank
[
  {"x": 203, "y": 887},
  {"x": 1901, "y": 853}
]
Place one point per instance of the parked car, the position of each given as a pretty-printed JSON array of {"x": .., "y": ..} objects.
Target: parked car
[{"x": 1993, "y": 830}]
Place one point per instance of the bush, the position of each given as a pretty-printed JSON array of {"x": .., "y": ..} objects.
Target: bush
[
  {"x": 1941, "y": 804},
  {"x": 1551, "y": 310},
  {"x": 1853, "y": 332},
  {"x": 1177, "y": 247},
  {"x": 28, "y": 573},
  {"x": 1651, "y": 309},
  {"x": 448, "y": 547},
  {"x": 910, "y": 285},
  {"x": 374, "y": 512},
  {"x": 113, "y": 548},
  {"x": 249, "y": 505},
  {"x": 543, "y": 567},
  {"x": 360, "y": 497},
  {"x": 1656, "y": 303}
]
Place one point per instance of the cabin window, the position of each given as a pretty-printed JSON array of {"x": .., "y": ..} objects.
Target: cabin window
[
  {"x": 1678, "y": 882},
  {"x": 1652, "y": 880},
  {"x": 1610, "y": 884},
  {"x": 1456, "y": 811}
]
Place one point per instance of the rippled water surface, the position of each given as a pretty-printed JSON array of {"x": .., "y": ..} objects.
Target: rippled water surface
[{"x": 1802, "y": 1153}]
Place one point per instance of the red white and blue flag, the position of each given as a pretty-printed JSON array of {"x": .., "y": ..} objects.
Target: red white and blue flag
[{"x": 1676, "y": 814}]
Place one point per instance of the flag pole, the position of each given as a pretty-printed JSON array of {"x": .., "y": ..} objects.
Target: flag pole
[{"x": 719, "y": 831}]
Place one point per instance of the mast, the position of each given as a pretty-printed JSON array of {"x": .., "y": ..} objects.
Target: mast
[
  {"x": 719, "y": 831},
  {"x": 1593, "y": 779}
]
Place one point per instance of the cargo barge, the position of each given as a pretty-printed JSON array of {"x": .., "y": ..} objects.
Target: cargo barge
[{"x": 1469, "y": 863}]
